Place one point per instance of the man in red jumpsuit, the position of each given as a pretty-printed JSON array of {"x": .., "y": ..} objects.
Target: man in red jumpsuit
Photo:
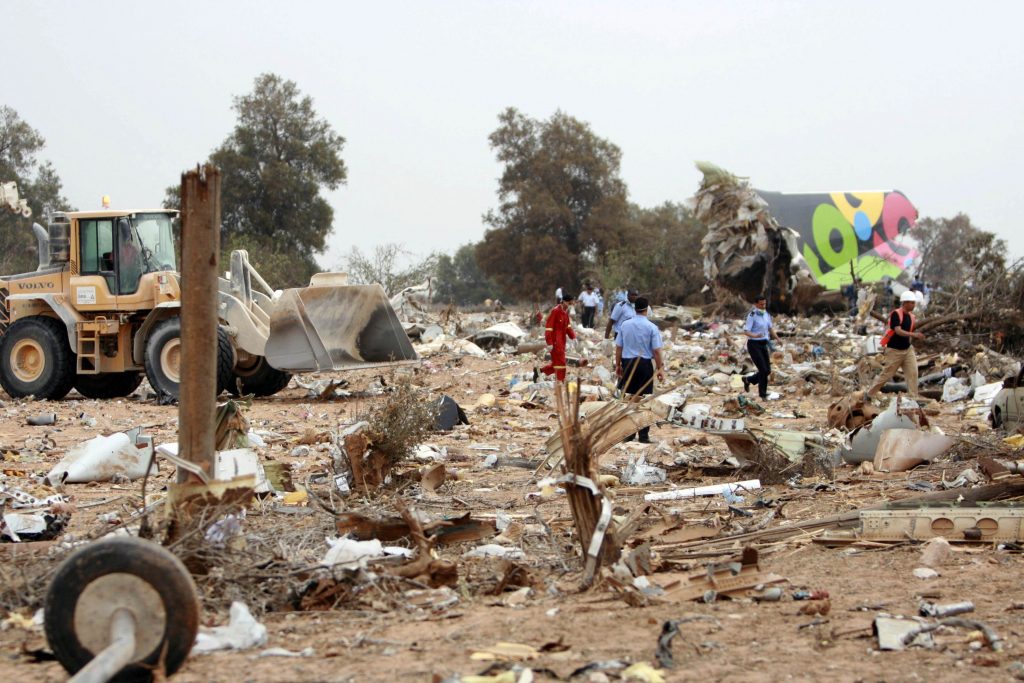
[{"x": 557, "y": 328}]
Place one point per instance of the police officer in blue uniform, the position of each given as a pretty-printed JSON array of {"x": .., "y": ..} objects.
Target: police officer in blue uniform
[
  {"x": 637, "y": 356},
  {"x": 758, "y": 328}
]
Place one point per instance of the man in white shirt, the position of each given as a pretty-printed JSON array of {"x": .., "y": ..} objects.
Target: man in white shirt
[{"x": 589, "y": 300}]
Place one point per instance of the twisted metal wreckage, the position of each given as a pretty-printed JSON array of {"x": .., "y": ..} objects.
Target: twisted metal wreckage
[{"x": 797, "y": 247}]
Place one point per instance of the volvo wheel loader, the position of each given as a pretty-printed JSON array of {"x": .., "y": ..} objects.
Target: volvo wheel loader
[{"x": 102, "y": 309}]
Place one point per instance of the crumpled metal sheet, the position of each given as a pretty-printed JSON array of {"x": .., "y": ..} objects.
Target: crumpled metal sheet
[{"x": 746, "y": 251}]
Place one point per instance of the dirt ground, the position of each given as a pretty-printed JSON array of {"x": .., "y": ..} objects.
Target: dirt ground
[{"x": 381, "y": 636}]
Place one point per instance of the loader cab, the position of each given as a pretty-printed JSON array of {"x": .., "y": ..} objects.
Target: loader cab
[{"x": 121, "y": 249}]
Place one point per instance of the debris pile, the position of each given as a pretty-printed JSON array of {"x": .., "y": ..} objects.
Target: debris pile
[
  {"x": 745, "y": 250},
  {"x": 472, "y": 493}
]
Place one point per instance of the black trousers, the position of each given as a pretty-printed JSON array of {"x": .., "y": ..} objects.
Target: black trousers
[
  {"x": 588, "y": 316},
  {"x": 638, "y": 378},
  {"x": 758, "y": 350}
]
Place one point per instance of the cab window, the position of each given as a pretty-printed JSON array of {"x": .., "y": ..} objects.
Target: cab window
[{"x": 96, "y": 237}]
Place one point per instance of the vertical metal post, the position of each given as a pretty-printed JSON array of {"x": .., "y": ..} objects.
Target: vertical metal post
[{"x": 200, "y": 249}]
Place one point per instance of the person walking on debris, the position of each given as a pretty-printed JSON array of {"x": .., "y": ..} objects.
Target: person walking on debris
[
  {"x": 556, "y": 330},
  {"x": 620, "y": 313},
  {"x": 899, "y": 353},
  {"x": 758, "y": 328},
  {"x": 637, "y": 356},
  {"x": 589, "y": 301}
]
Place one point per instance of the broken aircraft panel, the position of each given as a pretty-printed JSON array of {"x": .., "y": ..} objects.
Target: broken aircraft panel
[
  {"x": 867, "y": 229},
  {"x": 793, "y": 246}
]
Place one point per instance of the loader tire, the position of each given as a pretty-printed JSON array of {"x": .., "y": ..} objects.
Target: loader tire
[
  {"x": 225, "y": 361},
  {"x": 163, "y": 359},
  {"x": 108, "y": 384},
  {"x": 259, "y": 378},
  {"x": 36, "y": 360}
]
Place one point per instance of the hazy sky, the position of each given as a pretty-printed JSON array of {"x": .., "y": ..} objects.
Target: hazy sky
[{"x": 924, "y": 97}]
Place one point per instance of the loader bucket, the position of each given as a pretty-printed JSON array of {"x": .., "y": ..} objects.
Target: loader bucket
[{"x": 335, "y": 328}]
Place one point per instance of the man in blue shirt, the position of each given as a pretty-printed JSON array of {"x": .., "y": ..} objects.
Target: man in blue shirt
[
  {"x": 758, "y": 328},
  {"x": 637, "y": 352},
  {"x": 620, "y": 313}
]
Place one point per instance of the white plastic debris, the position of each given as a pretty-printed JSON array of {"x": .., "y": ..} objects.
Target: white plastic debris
[
  {"x": 235, "y": 462},
  {"x": 428, "y": 452},
  {"x": 229, "y": 527},
  {"x": 891, "y": 632},
  {"x": 17, "y": 523},
  {"x": 639, "y": 473},
  {"x": 104, "y": 458},
  {"x": 239, "y": 462},
  {"x": 346, "y": 551},
  {"x": 713, "y": 490},
  {"x": 925, "y": 573},
  {"x": 495, "y": 550},
  {"x": 674, "y": 399},
  {"x": 872, "y": 345},
  {"x": 955, "y": 389},
  {"x": 255, "y": 440},
  {"x": 242, "y": 633}
]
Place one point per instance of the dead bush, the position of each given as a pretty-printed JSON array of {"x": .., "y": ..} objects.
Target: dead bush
[{"x": 401, "y": 422}]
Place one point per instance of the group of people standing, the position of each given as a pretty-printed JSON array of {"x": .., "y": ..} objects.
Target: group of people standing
[
  {"x": 638, "y": 359},
  {"x": 637, "y": 344},
  {"x": 591, "y": 301}
]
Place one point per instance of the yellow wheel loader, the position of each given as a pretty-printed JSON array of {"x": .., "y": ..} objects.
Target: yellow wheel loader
[{"x": 102, "y": 309}]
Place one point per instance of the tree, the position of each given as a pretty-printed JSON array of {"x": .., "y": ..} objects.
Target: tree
[
  {"x": 663, "y": 259},
  {"x": 385, "y": 267},
  {"x": 460, "y": 281},
  {"x": 562, "y": 204},
  {"x": 274, "y": 165},
  {"x": 954, "y": 252},
  {"x": 38, "y": 182}
]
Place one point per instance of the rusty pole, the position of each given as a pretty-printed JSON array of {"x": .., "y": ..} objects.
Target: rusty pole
[{"x": 200, "y": 249}]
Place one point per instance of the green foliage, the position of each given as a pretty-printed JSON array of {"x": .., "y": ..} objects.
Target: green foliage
[
  {"x": 20, "y": 145},
  {"x": 385, "y": 267},
  {"x": 460, "y": 280},
  {"x": 562, "y": 204},
  {"x": 715, "y": 175},
  {"x": 663, "y": 258},
  {"x": 274, "y": 165}
]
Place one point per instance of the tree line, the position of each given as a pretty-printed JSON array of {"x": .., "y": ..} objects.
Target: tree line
[{"x": 562, "y": 217}]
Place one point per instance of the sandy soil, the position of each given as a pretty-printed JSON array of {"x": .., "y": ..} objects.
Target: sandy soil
[{"x": 382, "y": 639}]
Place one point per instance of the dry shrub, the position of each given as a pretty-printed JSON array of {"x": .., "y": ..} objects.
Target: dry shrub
[{"x": 401, "y": 422}]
